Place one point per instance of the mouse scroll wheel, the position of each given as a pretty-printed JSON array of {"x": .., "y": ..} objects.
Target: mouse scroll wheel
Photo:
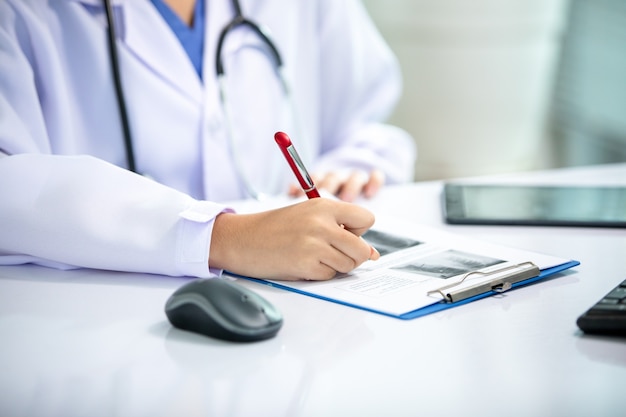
[{"x": 245, "y": 299}]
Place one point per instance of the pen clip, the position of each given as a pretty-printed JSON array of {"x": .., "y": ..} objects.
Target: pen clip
[{"x": 305, "y": 179}]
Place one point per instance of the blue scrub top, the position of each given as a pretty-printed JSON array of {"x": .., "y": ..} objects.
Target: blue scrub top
[{"x": 190, "y": 37}]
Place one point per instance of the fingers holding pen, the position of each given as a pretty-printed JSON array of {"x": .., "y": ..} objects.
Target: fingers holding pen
[
  {"x": 311, "y": 240},
  {"x": 336, "y": 236}
]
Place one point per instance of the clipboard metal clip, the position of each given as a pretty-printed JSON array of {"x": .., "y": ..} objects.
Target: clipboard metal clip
[{"x": 502, "y": 280}]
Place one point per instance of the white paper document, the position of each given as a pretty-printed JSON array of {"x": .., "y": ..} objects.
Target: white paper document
[{"x": 416, "y": 260}]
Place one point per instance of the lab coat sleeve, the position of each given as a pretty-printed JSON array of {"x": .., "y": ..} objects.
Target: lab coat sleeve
[
  {"x": 361, "y": 84},
  {"x": 79, "y": 211}
]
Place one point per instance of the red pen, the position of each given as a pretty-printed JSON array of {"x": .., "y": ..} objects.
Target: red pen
[{"x": 296, "y": 164}]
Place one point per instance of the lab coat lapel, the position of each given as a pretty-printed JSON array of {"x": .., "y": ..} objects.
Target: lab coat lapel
[{"x": 149, "y": 38}]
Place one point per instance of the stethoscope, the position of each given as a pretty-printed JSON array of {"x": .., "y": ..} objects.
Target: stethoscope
[{"x": 237, "y": 21}]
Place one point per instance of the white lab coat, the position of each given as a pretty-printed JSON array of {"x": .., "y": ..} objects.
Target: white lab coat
[{"x": 65, "y": 201}]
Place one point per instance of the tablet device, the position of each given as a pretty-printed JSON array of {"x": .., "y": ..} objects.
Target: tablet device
[{"x": 513, "y": 204}]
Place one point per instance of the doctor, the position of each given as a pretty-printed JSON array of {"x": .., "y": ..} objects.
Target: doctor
[{"x": 69, "y": 197}]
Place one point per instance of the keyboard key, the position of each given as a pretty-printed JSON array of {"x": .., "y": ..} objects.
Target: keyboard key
[{"x": 608, "y": 315}]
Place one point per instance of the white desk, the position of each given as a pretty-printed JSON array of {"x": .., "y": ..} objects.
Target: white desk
[{"x": 94, "y": 343}]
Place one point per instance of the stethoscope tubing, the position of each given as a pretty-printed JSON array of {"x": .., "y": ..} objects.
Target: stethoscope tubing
[
  {"x": 119, "y": 90},
  {"x": 237, "y": 21}
]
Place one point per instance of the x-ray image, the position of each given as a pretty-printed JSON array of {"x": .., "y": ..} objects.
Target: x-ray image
[
  {"x": 448, "y": 264},
  {"x": 386, "y": 243}
]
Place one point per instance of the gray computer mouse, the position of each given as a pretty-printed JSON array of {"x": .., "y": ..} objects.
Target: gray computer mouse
[{"x": 223, "y": 309}]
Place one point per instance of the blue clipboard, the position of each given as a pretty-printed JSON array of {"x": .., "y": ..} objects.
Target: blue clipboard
[{"x": 433, "y": 308}]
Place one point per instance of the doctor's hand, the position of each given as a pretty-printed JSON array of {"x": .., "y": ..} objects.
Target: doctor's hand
[
  {"x": 346, "y": 188},
  {"x": 311, "y": 240}
]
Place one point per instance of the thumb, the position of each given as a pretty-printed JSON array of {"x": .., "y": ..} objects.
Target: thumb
[{"x": 354, "y": 218}]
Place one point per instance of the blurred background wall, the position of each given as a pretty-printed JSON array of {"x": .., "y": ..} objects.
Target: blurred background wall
[{"x": 495, "y": 86}]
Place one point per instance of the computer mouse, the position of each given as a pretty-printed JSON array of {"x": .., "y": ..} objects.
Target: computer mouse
[{"x": 223, "y": 309}]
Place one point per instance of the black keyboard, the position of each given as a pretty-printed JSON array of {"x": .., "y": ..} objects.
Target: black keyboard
[{"x": 608, "y": 315}]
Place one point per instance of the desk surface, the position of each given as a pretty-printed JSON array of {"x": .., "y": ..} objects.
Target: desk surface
[{"x": 96, "y": 343}]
